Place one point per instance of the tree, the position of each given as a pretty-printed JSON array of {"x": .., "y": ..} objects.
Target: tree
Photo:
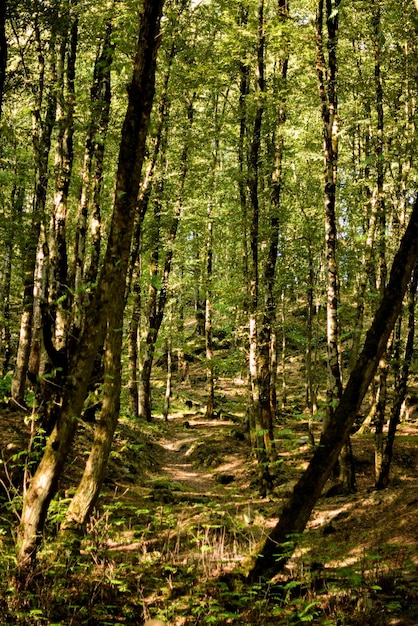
[
  {"x": 280, "y": 543},
  {"x": 105, "y": 313},
  {"x": 3, "y": 50}
]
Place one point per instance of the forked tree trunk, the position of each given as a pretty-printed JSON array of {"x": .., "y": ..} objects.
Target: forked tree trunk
[
  {"x": 279, "y": 545},
  {"x": 106, "y": 306},
  {"x": 90, "y": 484}
]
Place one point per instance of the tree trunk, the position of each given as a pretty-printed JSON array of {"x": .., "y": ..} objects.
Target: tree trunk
[
  {"x": 158, "y": 301},
  {"x": 261, "y": 434},
  {"x": 280, "y": 543},
  {"x": 311, "y": 399},
  {"x": 167, "y": 395},
  {"x": 3, "y": 50},
  {"x": 269, "y": 279},
  {"x": 244, "y": 73},
  {"x": 400, "y": 392},
  {"x": 327, "y": 84},
  {"x": 132, "y": 149},
  {"x": 41, "y": 137},
  {"x": 210, "y": 385},
  {"x": 63, "y": 169},
  {"x": 91, "y": 179},
  {"x": 88, "y": 489}
]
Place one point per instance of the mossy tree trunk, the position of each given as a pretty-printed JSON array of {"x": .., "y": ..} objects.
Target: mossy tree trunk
[{"x": 105, "y": 308}]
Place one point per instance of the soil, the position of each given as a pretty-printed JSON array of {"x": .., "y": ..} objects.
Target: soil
[{"x": 186, "y": 492}]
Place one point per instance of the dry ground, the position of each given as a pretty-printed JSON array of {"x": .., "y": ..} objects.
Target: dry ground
[{"x": 180, "y": 508}]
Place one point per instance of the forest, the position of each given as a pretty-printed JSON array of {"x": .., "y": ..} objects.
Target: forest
[{"x": 208, "y": 278}]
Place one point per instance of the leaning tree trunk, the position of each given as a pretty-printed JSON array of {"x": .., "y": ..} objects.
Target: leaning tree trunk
[
  {"x": 88, "y": 489},
  {"x": 279, "y": 545},
  {"x": 113, "y": 275}
]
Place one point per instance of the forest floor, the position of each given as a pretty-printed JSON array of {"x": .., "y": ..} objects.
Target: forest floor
[{"x": 180, "y": 509}]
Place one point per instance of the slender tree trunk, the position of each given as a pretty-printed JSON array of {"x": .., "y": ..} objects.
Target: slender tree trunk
[
  {"x": 41, "y": 137},
  {"x": 106, "y": 305},
  {"x": 134, "y": 274},
  {"x": 327, "y": 84},
  {"x": 279, "y": 545},
  {"x": 133, "y": 339},
  {"x": 91, "y": 179},
  {"x": 379, "y": 198},
  {"x": 400, "y": 391},
  {"x": 259, "y": 403},
  {"x": 158, "y": 301},
  {"x": 244, "y": 72},
  {"x": 14, "y": 220},
  {"x": 167, "y": 395},
  {"x": 311, "y": 399},
  {"x": 63, "y": 168},
  {"x": 283, "y": 351},
  {"x": 210, "y": 385},
  {"x": 3, "y": 49},
  {"x": 269, "y": 278}
]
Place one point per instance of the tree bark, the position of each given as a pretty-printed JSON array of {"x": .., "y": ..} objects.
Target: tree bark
[
  {"x": 280, "y": 543},
  {"x": 131, "y": 155},
  {"x": 400, "y": 391},
  {"x": 3, "y": 50},
  {"x": 268, "y": 318},
  {"x": 134, "y": 274},
  {"x": 63, "y": 168},
  {"x": 158, "y": 299},
  {"x": 41, "y": 137},
  {"x": 91, "y": 180},
  {"x": 327, "y": 84}
]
